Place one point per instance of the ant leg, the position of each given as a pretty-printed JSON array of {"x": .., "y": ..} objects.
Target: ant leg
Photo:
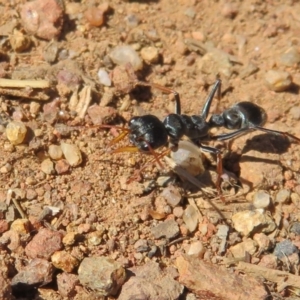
[
  {"x": 131, "y": 149},
  {"x": 285, "y": 134},
  {"x": 216, "y": 88},
  {"x": 156, "y": 158},
  {"x": 230, "y": 135},
  {"x": 217, "y": 152},
  {"x": 166, "y": 90},
  {"x": 120, "y": 137},
  {"x": 239, "y": 132}
]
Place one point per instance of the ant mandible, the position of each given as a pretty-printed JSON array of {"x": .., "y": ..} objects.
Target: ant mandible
[{"x": 147, "y": 133}]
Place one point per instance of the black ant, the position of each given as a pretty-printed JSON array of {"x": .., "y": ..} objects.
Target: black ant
[{"x": 147, "y": 133}]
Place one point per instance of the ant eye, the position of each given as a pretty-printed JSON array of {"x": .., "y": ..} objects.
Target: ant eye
[
  {"x": 133, "y": 120},
  {"x": 144, "y": 147}
]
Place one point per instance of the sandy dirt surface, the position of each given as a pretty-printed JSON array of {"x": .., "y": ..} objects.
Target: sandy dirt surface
[{"x": 69, "y": 50}]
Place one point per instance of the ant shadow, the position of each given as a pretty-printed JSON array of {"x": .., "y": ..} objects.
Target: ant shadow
[
  {"x": 294, "y": 89},
  {"x": 267, "y": 143}
]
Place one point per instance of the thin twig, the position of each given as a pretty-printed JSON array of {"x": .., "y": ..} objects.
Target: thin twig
[
  {"x": 17, "y": 83},
  {"x": 19, "y": 208}
]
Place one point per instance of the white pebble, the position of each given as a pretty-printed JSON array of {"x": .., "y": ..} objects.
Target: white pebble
[
  {"x": 72, "y": 154},
  {"x": 124, "y": 54},
  {"x": 104, "y": 77},
  {"x": 190, "y": 218},
  {"x": 16, "y": 132},
  {"x": 261, "y": 199}
]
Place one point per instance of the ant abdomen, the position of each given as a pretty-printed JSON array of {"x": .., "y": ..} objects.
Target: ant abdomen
[
  {"x": 241, "y": 115},
  {"x": 251, "y": 114}
]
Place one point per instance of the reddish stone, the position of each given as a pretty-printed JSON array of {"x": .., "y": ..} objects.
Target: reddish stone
[{"x": 44, "y": 244}]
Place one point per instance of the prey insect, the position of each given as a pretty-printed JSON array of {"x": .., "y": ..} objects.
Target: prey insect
[{"x": 147, "y": 133}]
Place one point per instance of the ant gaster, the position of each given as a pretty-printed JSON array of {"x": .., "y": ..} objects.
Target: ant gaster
[{"x": 147, "y": 133}]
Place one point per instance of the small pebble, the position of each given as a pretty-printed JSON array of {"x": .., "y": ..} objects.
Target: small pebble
[
  {"x": 19, "y": 42},
  {"x": 190, "y": 218},
  {"x": 263, "y": 241},
  {"x": 239, "y": 250},
  {"x": 132, "y": 20},
  {"x": 222, "y": 232},
  {"x": 172, "y": 195},
  {"x": 295, "y": 228},
  {"x": 283, "y": 196},
  {"x": 178, "y": 211},
  {"x": 16, "y": 132},
  {"x": 288, "y": 175},
  {"x": 62, "y": 166},
  {"x": 95, "y": 238},
  {"x": 290, "y": 58},
  {"x": 37, "y": 272},
  {"x": 168, "y": 229},
  {"x": 66, "y": 285},
  {"x": 6, "y": 168},
  {"x": 21, "y": 226},
  {"x": 72, "y": 154},
  {"x": 3, "y": 226},
  {"x": 261, "y": 199},
  {"x": 64, "y": 261},
  {"x": 94, "y": 16},
  {"x": 278, "y": 81},
  {"x": 295, "y": 112},
  {"x": 44, "y": 244},
  {"x": 229, "y": 10},
  {"x": 249, "y": 221},
  {"x": 69, "y": 239},
  {"x": 150, "y": 55},
  {"x": 269, "y": 261},
  {"x": 197, "y": 249},
  {"x": 31, "y": 194},
  {"x": 55, "y": 152},
  {"x": 43, "y": 18},
  {"x": 101, "y": 115},
  {"x": 47, "y": 166},
  {"x": 285, "y": 249},
  {"x": 104, "y": 78},
  {"x": 101, "y": 274},
  {"x": 190, "y": 12},
  {"x": 50, "y": 52},
  {"x": 124, "y": 54},
  {"x": 181, "y": 47}
]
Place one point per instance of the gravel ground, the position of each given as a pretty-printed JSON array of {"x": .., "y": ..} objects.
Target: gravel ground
[{"x": 78, "y": 220}]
